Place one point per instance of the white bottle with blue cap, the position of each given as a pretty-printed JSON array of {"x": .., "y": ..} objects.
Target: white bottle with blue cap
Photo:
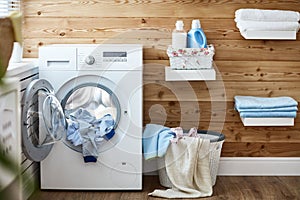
[{"x": 196, "y": 37}]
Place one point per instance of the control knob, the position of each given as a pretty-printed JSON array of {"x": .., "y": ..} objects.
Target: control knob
[{"x": 89, "y": 60}]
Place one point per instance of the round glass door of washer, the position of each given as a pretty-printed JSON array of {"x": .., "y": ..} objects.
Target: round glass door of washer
[{"x": 92, "y": 112}]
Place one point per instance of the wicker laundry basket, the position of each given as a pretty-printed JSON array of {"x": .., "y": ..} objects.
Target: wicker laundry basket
[{"x": 216, "y": 142}]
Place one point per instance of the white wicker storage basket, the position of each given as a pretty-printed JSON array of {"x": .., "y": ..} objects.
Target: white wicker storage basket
[
  {"x": 191, "y": 58},
  {"x": 214, "y": 157}
]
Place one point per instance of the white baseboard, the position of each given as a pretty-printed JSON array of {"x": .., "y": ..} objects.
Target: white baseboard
[
  {"x": 259, "y": 166},
  {"x": 248, "y": 166}
]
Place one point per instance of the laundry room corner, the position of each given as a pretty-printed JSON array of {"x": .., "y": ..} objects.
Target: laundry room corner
[{"x": 120, "y": 99}]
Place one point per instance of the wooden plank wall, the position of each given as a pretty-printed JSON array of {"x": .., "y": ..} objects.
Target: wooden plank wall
[{"x": 245, "y": 67}]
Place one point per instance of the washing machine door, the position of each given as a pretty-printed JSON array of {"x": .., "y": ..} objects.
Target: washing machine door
[
  {"x": 96, "y": 99},
  {"x": 43, "y": 120}
]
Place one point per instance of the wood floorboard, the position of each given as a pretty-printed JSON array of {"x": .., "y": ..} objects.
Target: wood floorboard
[{"x": 227, "y": 187}]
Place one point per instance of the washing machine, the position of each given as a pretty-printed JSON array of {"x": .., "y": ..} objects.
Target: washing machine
[{"x": 96, "y": 80}]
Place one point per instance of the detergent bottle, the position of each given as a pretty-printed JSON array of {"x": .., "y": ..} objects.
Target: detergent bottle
[
  {"x": 179, "y": 36},
  {"x": 196, "y": 37}
]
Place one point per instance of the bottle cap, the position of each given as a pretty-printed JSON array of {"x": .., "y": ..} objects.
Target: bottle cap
[
  {"x": 179, "y": 25},
  {"x": 196, "y": 23}
]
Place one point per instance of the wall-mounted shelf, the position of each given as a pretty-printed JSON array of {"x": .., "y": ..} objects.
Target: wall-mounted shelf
[
  {"x": 189, "y": 75},
  {"x": 269, "y": 35},
  {"x": 280, "y": 121}
]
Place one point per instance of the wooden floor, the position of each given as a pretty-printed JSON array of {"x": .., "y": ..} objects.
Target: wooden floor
[{"x": 274, "y": 187}]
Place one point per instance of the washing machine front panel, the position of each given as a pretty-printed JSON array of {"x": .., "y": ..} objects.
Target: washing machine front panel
[
  {"x": 64, "y": 167},
  {"x": 124, "y": 153}
]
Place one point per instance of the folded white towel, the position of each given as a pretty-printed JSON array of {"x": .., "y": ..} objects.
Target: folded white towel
[
  {"x": 267, "y": 26},
  {"x": 267, "y": 15}
]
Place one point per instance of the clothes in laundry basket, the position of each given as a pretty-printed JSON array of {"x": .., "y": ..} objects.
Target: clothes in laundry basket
[
  {"x": 156, "y": 140},
  {"x": 84, "y": 129},
  {"x": 187, "y": 165},
  {"x": 179, "y": 133}
]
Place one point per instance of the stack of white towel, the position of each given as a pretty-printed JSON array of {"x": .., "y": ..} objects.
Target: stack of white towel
[{"x": 266, "y": 20}]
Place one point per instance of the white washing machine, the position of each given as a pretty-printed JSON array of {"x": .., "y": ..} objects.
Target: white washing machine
[{"x": 99, "y": 80}]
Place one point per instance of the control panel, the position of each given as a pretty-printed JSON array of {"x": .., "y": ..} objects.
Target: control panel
[
  {"x": 89, "y": 56},
  {"x": 69, "y": 57},
  {"x": 93, "y": 56},
  {"x": 114, "y": 56}
]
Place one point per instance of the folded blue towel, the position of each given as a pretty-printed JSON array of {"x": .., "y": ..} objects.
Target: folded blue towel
[
  {"x": 156, "y": 140},
  {"x": 283, "y": 109},
  {"x": 291, "y": 114},
  {"x": 248, "y": 102}
]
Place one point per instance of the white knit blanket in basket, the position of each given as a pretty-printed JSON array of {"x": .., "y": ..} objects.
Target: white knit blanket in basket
[{"x": 187, "y": 165}]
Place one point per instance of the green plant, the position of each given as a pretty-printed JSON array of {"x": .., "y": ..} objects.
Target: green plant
[
  {"x": 6, "y": 44},
  {"x": 10, "y": 32}
]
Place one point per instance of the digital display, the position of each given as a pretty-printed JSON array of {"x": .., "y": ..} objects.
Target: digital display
[{"x": 114, "y": 54}]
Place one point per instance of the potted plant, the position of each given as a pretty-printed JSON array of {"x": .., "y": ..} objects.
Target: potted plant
[{"x": 10, "y": 32}]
